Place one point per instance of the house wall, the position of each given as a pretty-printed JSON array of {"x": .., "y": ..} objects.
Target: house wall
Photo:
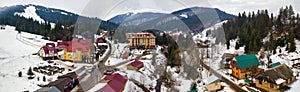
[
  {"x": 130, "y": 67},
  {"x": 41, "y": 53},
  {"x": 241, "y": 73},
  {"x": 72, "y": 56},
  {"x": 213, "y": 86},
  {"x": 144, "y": 41},
  {"x": 267, "y": 86},
  {"x": 236, "y": 72}
]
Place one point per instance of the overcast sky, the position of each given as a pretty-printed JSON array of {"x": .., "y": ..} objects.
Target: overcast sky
[{"x": 105, "y": 9}]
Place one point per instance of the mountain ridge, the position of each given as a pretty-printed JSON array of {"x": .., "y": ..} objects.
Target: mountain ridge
[{"x": 193, "y": 19}]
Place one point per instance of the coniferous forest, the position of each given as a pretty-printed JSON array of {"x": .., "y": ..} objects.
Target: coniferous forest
[{"x": 251, "y": 28}]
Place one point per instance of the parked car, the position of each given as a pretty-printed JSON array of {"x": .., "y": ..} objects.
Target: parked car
[
  {"x": 111, "y": 71},
  {"x": 108, "y": 72}
]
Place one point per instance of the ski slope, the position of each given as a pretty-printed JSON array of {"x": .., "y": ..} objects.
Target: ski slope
[{"x": 16, "y": 56}]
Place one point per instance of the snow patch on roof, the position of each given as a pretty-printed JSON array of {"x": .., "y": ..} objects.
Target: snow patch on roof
[{"x": 279, "y": 81}]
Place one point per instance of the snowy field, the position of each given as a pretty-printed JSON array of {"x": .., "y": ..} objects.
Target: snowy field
[{"x": 16, "y": 55}]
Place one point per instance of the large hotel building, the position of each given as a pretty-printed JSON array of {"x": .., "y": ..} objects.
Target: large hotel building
[{"x": 141, "y": 40}]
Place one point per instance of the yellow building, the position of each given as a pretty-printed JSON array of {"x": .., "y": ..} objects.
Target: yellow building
[
  {"x": 245, "y": 66},
  {"x": 275, "y": 79},
  {"x": 141, "y": 40},
  {"x": 77, "y": 50}
]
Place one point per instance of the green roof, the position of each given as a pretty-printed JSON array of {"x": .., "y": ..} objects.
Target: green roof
[
  {"x": 247, "y": 61},
  {"x": 193, "y": 91},
  {"x": 248, "y": 80},
  {"x": 275, "y": 64}
]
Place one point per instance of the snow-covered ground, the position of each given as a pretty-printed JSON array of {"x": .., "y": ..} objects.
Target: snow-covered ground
[
  {"x": 16, "y": 56},
  {"x": 116, "y": 56},
  {"x": 295, "y": 86}
]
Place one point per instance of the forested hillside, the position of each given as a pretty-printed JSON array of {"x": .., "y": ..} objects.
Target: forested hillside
[
  {"x": 252, "y": 28},
  {"x": 65, "y": 22}
]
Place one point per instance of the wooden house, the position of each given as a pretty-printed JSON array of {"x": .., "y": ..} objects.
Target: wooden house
[
  {"x": 275, "y": 79},
  {"x": 65, "y": 83},
  {"x": 245, "y": 66},
  {"x": 135, "y": 65},
  {"x": 213, "y": 83}
]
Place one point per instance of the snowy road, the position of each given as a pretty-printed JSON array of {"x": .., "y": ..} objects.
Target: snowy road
[{"x": 226, "y": 80}]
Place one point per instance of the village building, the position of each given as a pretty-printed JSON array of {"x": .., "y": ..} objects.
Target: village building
[
  {"x": 141, "y": 40},
  {"x": 213, "y": 83},
  {"x": 101, "y": 46},
  {"x": 48, "y": 89},
  {"x": 226, "y": 59},
  {"x": 64, "y": 83},
  {"x": 76, "y": 50},
  {"x": 245, "y": 66},
  {"x": 275, "y": 79},
  {"x": 48, "y": 51},
  {"x": 135, "y": 65},
  {"x": 115, "y": 83}
]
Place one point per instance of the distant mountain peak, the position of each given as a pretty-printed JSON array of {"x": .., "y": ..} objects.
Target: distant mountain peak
[{"x": 184, "y": 19}]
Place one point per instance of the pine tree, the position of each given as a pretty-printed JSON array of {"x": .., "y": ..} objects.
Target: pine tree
[
  {"x": 292, "y": 45},
  {"x": 30, "y": 73},
  {"x": 237, "y": 45},
  {"x": 290, "y": 12},
  {"x": 228, "y": 44},
  {"x": 279, "y": 50},
  {"x": 20, "y": 74},
  {"x": 44, "y": 78}
]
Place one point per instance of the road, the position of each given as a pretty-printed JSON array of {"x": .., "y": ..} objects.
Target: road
[
  {"x": 96, "y": 74},
  {"x": 231, "y": 83},
  {"x": 93, "y": 77}
]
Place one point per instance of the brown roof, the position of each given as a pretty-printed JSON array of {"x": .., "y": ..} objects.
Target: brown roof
[
  {"x": 282, "y": 71},
  {"x": 63, "y": 80}
]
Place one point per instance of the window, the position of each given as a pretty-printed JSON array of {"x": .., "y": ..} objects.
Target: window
[
  {"x": 260, "y": 82},
  {"x": 271, "y": 85}
]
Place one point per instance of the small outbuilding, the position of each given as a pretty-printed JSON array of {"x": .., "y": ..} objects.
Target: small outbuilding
[
  {"x": 135, "y": 65},
  {"x": 213, "y": 83}
]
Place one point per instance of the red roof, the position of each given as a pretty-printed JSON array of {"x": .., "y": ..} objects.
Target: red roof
[
  {"x": 116, "y": 83},
  {"x": 137, "y": 64},
  {"x": 49, "y": 47},
  {"x": 100, "y": 40},
  {"x": 107, "y": 78},
  {"x": 63, "y": 44},
  {"x": 76, "y": 44}
]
